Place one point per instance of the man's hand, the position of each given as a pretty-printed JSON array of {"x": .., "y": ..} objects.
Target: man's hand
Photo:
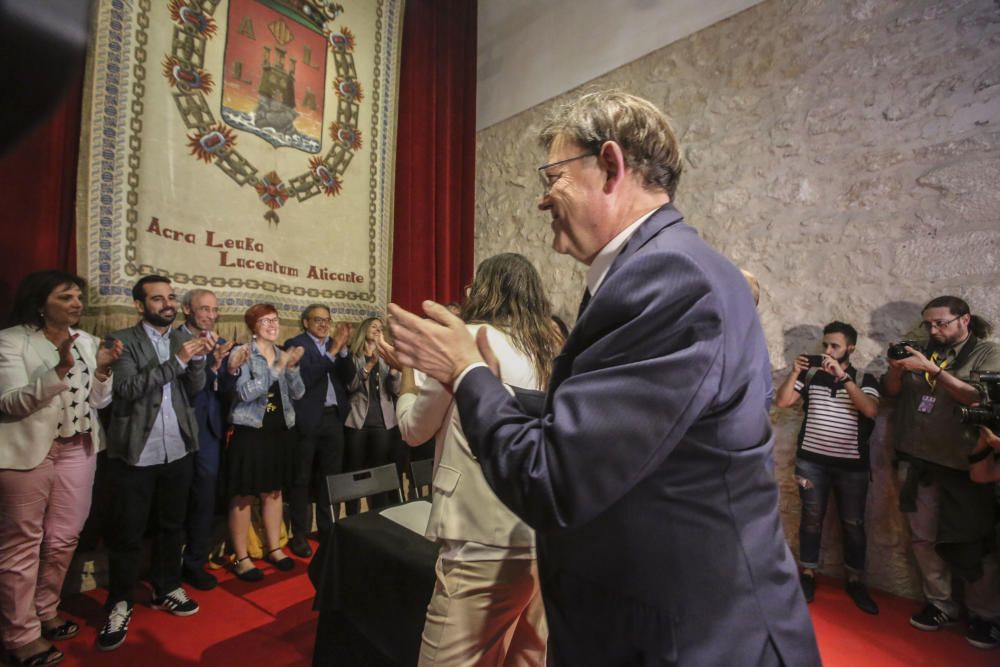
[
  {"x": 194, "y": 347},
  {"x": 66, "y": 358},
  {"x": 800, "y": 364},
  {"x": 238, "y": 357},
  {"x": 220, "y": 352},
  {"x": 833, "y": 367},
  {"x": 292, "y": 356},
  {"x": 916, "y": 362},
  {"x": 339, "y": 338},
  {"x": 440, "y": 346}
]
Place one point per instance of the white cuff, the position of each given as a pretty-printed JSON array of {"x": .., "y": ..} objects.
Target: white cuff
[{"x": 461, "y": 376}]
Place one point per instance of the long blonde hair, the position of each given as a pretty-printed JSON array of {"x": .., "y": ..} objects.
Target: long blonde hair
[{"x": 507, "y": 293}]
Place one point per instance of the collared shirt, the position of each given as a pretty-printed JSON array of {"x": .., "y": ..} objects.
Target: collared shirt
[
  {"x": 165, "y": 442},
  {"x": 321, "y": 343},
  {"x": 599, "y": 268},
  {"x": 927, "y": 427}
]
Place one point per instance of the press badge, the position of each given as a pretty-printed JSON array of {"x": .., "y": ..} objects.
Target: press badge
[{"x": 926, "y": 404}]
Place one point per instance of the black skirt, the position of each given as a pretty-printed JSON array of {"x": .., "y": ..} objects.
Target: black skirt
[{"x": 260, "y": 460}]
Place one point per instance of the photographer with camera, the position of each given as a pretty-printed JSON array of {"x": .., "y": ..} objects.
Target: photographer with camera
[
  {"x": 951, "y": 518},
  {"x": 840, "y": 404}
]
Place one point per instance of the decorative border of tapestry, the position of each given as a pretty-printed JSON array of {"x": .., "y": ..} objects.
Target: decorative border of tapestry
[{"x": 244, "y": 146}]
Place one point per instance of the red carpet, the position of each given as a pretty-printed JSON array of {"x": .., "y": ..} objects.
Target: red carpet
[{"x": 271, "y": 624}]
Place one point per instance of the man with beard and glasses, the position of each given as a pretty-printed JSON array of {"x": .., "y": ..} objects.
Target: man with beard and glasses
[
  {"x": 951, "y": 517},
  {"x": 840, "y": 404},
  {"x": 153, "y": 432}
]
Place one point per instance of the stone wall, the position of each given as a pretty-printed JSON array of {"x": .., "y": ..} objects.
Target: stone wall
[{"x": 847, "y": 152}]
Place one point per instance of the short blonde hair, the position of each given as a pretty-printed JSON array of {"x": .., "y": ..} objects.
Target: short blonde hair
[{"x": 647, "y": 140}]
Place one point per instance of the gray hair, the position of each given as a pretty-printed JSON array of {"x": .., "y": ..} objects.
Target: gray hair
[
  {"x": 647, "y": 140},
  {"x": 189, "y": 296}
]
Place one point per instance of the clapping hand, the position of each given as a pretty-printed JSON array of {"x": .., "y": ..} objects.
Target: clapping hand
[
  {"x": 194, "y": 347},
  {"x": 220, "y": 352},
  {"x": 339, "y": 338},
  {"x": 108, "y": 353},
  {"x": 388, "y": 353},
  {"x": 238, "y": 357},
  {"x": 292, "y": 356},
  {"x": 66, "y": 358}
]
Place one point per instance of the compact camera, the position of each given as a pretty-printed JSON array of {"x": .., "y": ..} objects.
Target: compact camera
[{"x": 988, "y": 412}]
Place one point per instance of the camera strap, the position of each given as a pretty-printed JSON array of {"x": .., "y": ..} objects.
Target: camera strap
[{"x": 959, "y": 360}]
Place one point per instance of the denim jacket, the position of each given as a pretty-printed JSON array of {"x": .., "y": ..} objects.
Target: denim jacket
[{"x": 254, "y": 380}]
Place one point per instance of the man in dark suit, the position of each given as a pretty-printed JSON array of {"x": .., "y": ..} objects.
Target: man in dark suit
[
  {"x": 201, "y": 311},
  {"x": 646, "y": 476},
  {"x": 326, "y": 368},
  {"x": 152, "y": 437}
]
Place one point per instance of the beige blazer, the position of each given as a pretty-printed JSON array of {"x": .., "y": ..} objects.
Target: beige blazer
[
  {"x": 29, "y": 384},
  {"x": 464, "y": 508}
]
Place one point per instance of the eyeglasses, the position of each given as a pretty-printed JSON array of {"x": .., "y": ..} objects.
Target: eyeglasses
[
  {"x": 938, "y": 324},
  {"x": 548, "y": 180},
  {"x": 267, "y": 321},
  {"x": 320, "y": 320}
]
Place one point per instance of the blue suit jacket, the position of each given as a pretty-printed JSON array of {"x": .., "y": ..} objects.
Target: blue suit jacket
[
  {"x": 315, "y": 369},
  {"x": 646, "y": 478}
]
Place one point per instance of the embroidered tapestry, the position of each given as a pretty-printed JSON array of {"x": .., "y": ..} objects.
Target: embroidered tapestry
[{"x": 244, "y": 146}]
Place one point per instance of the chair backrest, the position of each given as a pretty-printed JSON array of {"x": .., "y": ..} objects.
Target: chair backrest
[
  {"x": 361, "y": 483},
  {"x": 421, "y": 475}
]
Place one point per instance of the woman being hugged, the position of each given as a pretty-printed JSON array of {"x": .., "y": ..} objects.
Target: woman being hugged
[
  {"x": 371, "y": 437},
  {"x": 487, "y": 606},
  {"x": 53, "y": 379},
  {"x": 259, "y": 456}
]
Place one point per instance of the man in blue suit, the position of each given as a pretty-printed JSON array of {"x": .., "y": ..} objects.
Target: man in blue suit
[
  {"x": 646, "y": 475},
  {"x": 327, "y": 368},
  {"x": 201, "y": 311}
]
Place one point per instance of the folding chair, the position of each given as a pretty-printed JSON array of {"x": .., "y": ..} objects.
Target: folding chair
[
  {"x": 362, "y": 483},
  {"x": 421, "y": 475}
]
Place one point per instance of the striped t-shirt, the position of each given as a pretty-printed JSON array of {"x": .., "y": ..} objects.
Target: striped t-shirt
[{"x": 833, "y": 431}]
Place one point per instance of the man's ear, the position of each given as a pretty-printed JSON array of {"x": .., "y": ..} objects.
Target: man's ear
[
  {"x": 613, "y": 160},
  {"x": 139, "y": 307}
]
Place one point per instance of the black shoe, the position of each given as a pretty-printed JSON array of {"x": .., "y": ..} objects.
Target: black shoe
[
  {"x": 300, "y": 547},
  {"x": 983, "y": 634},
  {"x": 808, "y": 583},
  {"x": 115, "y": 629},
  {"x": 176, "y": 602},
  {"x": 862, "y": 600},
  {"x": 251, "y": 575},
  {"x": 930, "y": 618},
  {"x": 199, "y": 578},
  {"x": 283, "y": 562}
]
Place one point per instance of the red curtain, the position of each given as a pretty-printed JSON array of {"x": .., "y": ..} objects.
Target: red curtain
[
  {"x": 38, "y": 185},
  {"x": 435, "y": 168},
  {"x": 436, "y": 153}
]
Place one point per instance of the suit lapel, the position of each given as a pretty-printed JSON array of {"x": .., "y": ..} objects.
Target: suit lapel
[{"x": 146, "y": 349}]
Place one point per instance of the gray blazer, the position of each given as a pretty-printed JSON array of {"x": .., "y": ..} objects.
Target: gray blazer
[
  {"x": 138, "y": 379},
  {"x": 357, "y": 390}
]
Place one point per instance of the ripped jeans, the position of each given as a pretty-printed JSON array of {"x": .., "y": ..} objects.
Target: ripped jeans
[{"x": 850, "y": 487}]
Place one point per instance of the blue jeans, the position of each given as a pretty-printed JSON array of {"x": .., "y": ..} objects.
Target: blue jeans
[{"x": 851, "y": 490}]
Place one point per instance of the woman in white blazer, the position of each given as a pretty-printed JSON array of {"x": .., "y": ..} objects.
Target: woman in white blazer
[
  {"x": 486, "y": 608},
  {"x": 53, "y": 379}
]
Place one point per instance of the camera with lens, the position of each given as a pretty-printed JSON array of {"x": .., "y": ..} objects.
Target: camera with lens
[
  {"x": 988, "y": 412},
  {"x": 898, "y": 350}
]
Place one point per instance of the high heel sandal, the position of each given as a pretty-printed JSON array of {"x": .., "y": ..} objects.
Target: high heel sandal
[
  {"x": 284, "y": 563},
  {"x": 253, "y": 574}
]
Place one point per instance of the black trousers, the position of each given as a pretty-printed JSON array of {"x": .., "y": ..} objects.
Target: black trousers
[
  {"x": 316, "y": 455},
  {"x": 135, "y": 491},
  {"x": 368, "y": 448}
]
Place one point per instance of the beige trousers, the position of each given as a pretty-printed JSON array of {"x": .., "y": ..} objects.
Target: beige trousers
[{"x": 485, "y": 613}]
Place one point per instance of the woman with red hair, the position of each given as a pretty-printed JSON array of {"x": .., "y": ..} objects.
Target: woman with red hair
[{"x": 258, "y": 460}]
